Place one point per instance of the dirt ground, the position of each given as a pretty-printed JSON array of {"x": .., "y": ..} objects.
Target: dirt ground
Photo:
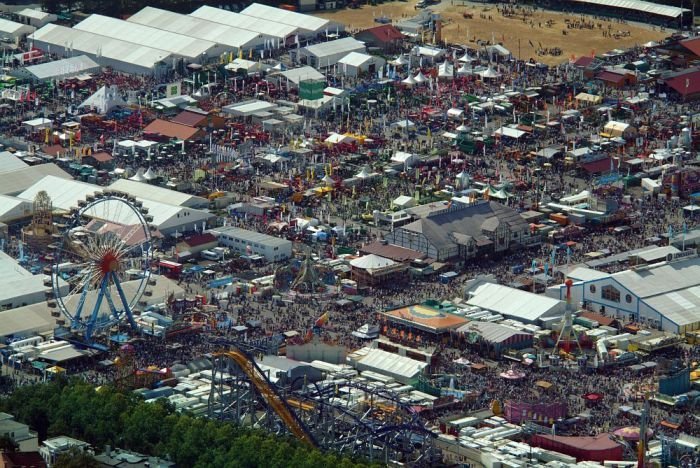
[{"x": 521, "y": 37}]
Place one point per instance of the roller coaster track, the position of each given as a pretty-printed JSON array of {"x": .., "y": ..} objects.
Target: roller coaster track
[{"x": 269, "y": 394}]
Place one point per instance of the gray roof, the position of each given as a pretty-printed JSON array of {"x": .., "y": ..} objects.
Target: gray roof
[
  {"x": 661, "y": 279},
  {"x": 249, "y": 236},
  {"x": 71, "y": 66},
  {"x": 680, "y": 307},
  {"x": 17, "y": 181},
  {"x": 469, "y": 220},
  {"x": 492, "y": 332}
]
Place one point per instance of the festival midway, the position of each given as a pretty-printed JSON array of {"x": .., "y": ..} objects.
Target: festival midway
[{"x": 415, "y": 233}]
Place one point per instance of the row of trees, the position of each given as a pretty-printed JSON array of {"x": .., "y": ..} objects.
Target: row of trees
[{"x": 107, "y": 416}]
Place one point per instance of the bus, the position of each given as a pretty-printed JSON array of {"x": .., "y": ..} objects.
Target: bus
[{"x": 169, "y": 269}]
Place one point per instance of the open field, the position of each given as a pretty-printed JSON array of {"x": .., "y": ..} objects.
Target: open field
[{"x": 513, "y": 32}]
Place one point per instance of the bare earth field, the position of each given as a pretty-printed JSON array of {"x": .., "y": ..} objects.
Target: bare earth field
[{"x": 514, "y": 33}]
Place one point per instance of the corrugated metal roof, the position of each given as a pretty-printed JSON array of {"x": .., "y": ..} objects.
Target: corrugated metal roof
[
  {"x": 514, "y": 302},
  {"x": 179, "y": 44},
  {"x": 251, "y": 23},
  {"x": 197, "y": 28},
  {"x": 299, "y": 20},
  {"x": 638, "y": 5},
  {"x": 249, "y": 236},
  {"x": 95, "y": 44}
]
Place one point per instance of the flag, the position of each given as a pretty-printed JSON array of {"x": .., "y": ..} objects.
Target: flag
[{"x": 322, "y": 320}]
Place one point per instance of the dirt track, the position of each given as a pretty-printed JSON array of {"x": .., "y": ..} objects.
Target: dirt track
[{"x": 488, "y": 24}]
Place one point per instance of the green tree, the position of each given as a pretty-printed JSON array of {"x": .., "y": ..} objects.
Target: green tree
[{"x": 76, "y": 458}]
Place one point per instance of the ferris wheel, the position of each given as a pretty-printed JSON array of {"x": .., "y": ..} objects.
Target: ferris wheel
[{"x": 102, "y": 244}]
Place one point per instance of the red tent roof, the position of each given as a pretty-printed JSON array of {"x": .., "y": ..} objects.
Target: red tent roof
[
  {"x": 693, "y": 45},
  {"x": 583, "y": 61},
  {"x": 599, "y": 166},
  {"x": 172, "y": 130},
  {"x": 102, "y": 157},
  {"x": 385, "y": 33},
  {"x": 610, "y": 77},
  {"x": 598, "y": 448},
  {"x": 692, "y": 79}
]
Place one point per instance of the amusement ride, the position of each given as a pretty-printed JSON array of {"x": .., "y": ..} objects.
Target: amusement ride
[{"x": 100, "y": 245}]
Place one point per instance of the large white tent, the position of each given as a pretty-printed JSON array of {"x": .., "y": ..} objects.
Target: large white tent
[
  {"x": 308, "y": 25},
  {"x": 167, "y": 218},
  {"x": 13, "y": 31},
  {"x": 233, "y": 38},
  {"x": 327, "y": 54},
  {"x": 177, "y": 44},
  {"x": 119, "y": 54},
  {"x": 277, "y": 31},
  {"x": 59, "y": 69}
]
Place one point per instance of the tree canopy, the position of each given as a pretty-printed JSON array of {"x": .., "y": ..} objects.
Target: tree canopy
[{"x": 107, "y": 416}]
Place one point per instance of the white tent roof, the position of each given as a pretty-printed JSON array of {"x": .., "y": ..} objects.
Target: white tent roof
[
  {"x": 408, "y": 81},
  {"x": 65, "y": 194},
  {"x": 338, "y": 46},
  {"x": 399, "y": 61},
  {"x": 197, "y": 28},
  {"x": 247, "y": 108},
  {"x": 462, "y": 128},
  {"x": 371, "y": 262},
  {"x": 402, "y": 156},
  {"x": 295, "y": 75},
  {"x": 404, "y": 123},
  {"x": 178, "y": 44},
  {"x": 13, "y": 29},
  {"x": 446, "y": 70},
  {"x": 248, "y": 65},
  {"x": 420, "y": 78},
  {"x": 384, "y": 362},
  {"x": 464, "y": 70},
  {"x": 355, "y": 59},
  {"x": 39, "y": 122},
  {"x": 637, "y": 5},
  {"x": 338, "y": 138},
  {"x": 514, "y": 302},
  {"x": 509, "y": 132},
  {"x": 34, "y": 14},
  {"x": 489, "y": 73},
  {"x": 250, "y": 23},
  {"x": 64, "y": 68},
  {"x": 104, "y": 99},
  {"x": 363, "y": 174},
  {"x": 113, "y": 52},
  {"x": 306, "y": 23},
  {"x": 158, "y": 194},
  {"x": 10, "y": 162},
  {"x": 466, "y": 58},
  {"x": 328, "y": 180},
  {"x": 150, "y": 174},
  {"x": 138, "y": 177}
]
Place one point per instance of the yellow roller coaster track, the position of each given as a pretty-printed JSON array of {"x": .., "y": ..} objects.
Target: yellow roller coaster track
[{"x": 268, "y": 393}]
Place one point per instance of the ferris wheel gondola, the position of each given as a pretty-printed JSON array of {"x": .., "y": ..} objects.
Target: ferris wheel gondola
[{"x": 104, "y": 243}]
